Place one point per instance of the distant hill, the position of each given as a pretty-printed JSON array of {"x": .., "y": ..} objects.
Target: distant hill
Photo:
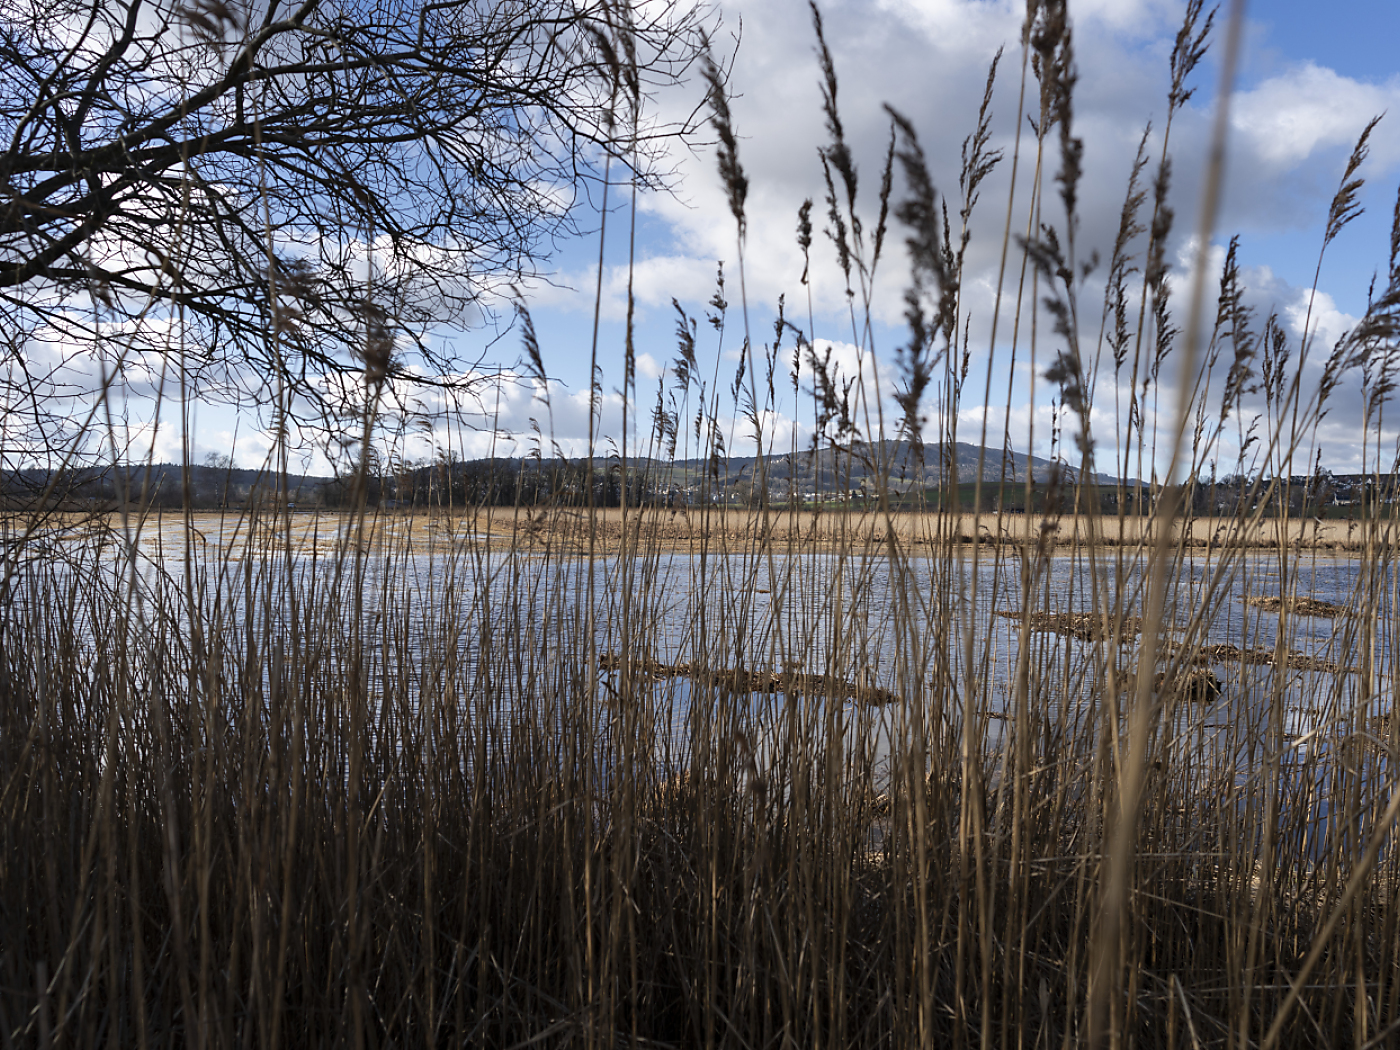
[
  {"x": 156, "y": 485},
  {"x": 908, "y": 467},
  {"x": 808, "y": 475},
  {"x": 823, "y": 474}
]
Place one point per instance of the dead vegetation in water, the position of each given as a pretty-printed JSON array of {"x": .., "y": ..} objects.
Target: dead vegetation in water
[
  {"x": 1297, "y": 606},
  {"x": 743, "y": 680},
  {"x": 1197, "y": 683},
  {"x": 1193, "y": 684},
  {"x": 1291, "y": 659},
  {"x": 1090, "y": 627},
  {"x": 1087, "y": 627}
]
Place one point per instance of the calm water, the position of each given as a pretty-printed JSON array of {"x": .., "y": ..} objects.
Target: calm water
[{"x": 928, "y": 626}]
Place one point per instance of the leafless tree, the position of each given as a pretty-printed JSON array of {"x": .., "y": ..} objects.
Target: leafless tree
[{"x": 291, "y": 195}]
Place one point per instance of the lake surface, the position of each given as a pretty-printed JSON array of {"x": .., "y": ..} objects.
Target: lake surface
[
  {"x": 923, "y": 626},
  {"x": 507, "y": 638}
]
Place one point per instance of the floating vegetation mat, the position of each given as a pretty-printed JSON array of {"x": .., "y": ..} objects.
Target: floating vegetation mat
[
  {"x": 1088, "y": 627},
  {"x": 1292, "y": 659},
  {"x": 1296, "y": 606},
  {"x": 745, "y": 681}
]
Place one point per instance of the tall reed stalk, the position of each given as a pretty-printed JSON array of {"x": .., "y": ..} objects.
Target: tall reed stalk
[{"x": 895, "y": 774}]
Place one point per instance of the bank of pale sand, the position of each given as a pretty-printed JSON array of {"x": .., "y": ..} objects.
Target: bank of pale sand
[
  {"x": 718, "y": 529},
  {"x": 727, "y": 529}
]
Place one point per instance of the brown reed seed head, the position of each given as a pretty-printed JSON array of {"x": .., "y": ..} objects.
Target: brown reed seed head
[
  {"x": 211, "y": 21},
  {"x": 378, "y": 350},
  {"x": 736, "y": 183}
]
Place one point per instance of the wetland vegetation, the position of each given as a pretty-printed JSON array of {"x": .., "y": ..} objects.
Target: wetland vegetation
[{"x": 558, "y": 774}]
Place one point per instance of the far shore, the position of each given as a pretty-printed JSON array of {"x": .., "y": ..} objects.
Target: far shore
[
  {"x": 718, "y": 529},
  {"x": 736, "y": 530}
]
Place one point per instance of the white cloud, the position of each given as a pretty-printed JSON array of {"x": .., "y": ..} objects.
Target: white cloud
[
  {"x": 648, "y": 366},
  {"x": 1286, "y": 119},
  {"x": 928, "y": 58},
  {"x": 959, "y": 25},
  {"x": 844, "y": 362},
  {"x": 1325, "y": 323}
]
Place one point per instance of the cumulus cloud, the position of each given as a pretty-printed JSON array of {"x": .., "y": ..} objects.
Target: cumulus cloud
[
  {"x": 1292, "y": 132},
  {"x": 649, "y": 367},
  {"x": 1285, "y": 119},
  {"x": 1316, "y": 316}
]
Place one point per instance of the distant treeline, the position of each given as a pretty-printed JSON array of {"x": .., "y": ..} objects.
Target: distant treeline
[
  {"x": 168, "y": 486},
  {"x": 577, "y": 483},
  {"x": 506, "y": 482},
  {"x": 1202, "y": 497},
  {"x": 165, "y": 486}
]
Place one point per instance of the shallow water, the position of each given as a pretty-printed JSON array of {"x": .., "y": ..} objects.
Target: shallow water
[{"x": 927, "y": 627}]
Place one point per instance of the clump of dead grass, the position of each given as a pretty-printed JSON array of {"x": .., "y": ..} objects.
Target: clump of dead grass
[
  {"x": 789, "y": 682},
  {"x": 1297, "y": 605},
  {"x": 1087, "y": 627}
]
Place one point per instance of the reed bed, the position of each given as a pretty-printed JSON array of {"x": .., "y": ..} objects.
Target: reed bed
[{"x": 557, "y": 775}]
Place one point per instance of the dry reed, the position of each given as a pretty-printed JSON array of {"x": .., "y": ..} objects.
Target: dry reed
[{"x": 510, "y": 784}]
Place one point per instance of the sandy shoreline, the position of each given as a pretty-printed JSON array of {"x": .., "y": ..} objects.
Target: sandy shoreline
[
  {"x": 784, "y": 531},
  {"x": 727, "y": 530}
]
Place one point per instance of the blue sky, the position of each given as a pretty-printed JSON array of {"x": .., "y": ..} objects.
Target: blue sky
[{"x": 1308, "y": 85}]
